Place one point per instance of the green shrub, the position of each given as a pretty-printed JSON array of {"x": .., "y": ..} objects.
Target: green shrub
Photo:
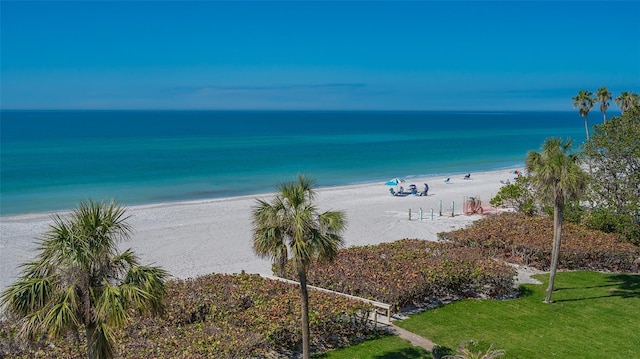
[
  {"x": 526, "y": 240},
  {"x": 607, "y": 221},
  {"x": 412, "y": 271},
  {"x": 573, "y": 212},
  {"x": 219, "y": 316},
  {"x": 516, "y": 195}
]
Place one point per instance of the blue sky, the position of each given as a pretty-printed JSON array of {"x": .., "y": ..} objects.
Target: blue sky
[{"x": 349, "y": 55}]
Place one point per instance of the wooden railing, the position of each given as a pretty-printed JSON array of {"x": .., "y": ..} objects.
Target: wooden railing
[{"x": 387, "y": 308}]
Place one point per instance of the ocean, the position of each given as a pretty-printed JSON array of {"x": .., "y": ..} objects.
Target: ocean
[{"x": 51, "y": 160}]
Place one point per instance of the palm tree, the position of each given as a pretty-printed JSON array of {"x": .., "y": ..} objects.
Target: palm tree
[
  {"x": 558, "y": 178},
  {"x": 465, "y": 352},
  {"x": 627, "y": 100},
  {"x": 584, "y": 101},
  {"x": 80, "y": 281},
  {"x": 292, "y": 223},
  {"x": 634, "y": 101},
  {"x": 603, "y": 95}
]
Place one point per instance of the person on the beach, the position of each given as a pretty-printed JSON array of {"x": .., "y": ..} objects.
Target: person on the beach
[
  {"x": 401, "y": 190},
  {"x": 467, "y": 176},
  {"x": 426, "y": 190}
]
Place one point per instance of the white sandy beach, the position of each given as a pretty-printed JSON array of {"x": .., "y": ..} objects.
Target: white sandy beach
[{"x": 194, "y": 238}]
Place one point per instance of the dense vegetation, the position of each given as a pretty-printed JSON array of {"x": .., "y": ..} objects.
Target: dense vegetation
[
  {"x": 526, "y": 240},
  {"x": 219, "y": 316},
  {"x": 413, "y": 272},
  {"x": 614, "y": 155},
  {"x": 611, "y": 202}
]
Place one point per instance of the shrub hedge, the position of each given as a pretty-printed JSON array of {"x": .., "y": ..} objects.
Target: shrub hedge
[
  {"x": 521, "y": 239},
  {"x": 219, "y": 316},
  {"x": 412, "y": 272}
]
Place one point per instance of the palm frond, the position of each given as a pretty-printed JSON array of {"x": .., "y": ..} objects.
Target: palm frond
[
  {"x": 291, "y": 221},
  {"x": 555, "y": 172},
  {"x": 112, "y": 307},
  {"x": 121, "y": 264},
  {"x": 103, "y": 339},
  {"x": 32, "y": 325},
  {"x": 27, "y": 295},
  {"x": 61, "y": 314},
  {"x": 145, "y": 287},
  {"x": 464, "y": 352},
  {"x": 268, "y": 242},
  {"x": 327, "y": 245},
  {"x": 36, "y": 269},
  {"x": 62, "y": 244},
  {"x": 101, "y": 224},
  {"x": 333, "y": 221}
]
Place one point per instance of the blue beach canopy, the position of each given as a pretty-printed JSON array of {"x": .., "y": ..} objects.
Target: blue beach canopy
[{"x": 395, "y": 182}]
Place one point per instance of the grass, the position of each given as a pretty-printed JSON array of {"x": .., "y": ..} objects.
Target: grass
[
  {"x": 387, "y": 347},
  {"x": 593, "y": 315}
]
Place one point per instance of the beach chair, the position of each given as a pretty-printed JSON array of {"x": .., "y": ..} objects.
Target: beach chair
[
  {"x": 467, "y": 176},
  {"x": 447, "y": 180},
  {"x": 398, "y": 194}
]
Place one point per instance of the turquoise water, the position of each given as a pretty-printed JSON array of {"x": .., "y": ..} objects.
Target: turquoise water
[{"x": 50, "y": 160}]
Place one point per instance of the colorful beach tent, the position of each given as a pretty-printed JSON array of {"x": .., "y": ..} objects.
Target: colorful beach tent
[{"x": 395, "y": 182}]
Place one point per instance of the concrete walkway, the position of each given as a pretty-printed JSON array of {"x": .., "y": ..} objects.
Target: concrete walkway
[
  {"x": 388, "y": 324},
  {"x": 415, "y": 339}
]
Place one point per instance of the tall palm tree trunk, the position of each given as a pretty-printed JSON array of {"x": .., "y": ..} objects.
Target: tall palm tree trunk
[
  {"x": 586, "y": 125},
  {"x": 91, "y": 341},
  {"x": 282, "y": 262},
  {"x": 304, "y": 304},
  {"x": 555, "y": 252}
]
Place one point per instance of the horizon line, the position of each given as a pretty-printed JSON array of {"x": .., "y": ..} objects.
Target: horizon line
[{"x": 291, "y": 110}]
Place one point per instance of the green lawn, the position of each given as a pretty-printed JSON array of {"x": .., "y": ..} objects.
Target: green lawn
[
  {"x": 594, "y": 315},
  {"x": 389, "y": 347}
]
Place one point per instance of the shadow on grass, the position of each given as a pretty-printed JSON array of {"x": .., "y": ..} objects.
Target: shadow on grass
[
  {"x": 629, "y": 285},
  {"x": 587, "y": 287},
  {"x": 524, "y": 292},
  {"x": 626, "y": 286}
]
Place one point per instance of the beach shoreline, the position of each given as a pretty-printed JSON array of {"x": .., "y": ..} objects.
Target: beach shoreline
[{"x": 199, "y": 237}]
